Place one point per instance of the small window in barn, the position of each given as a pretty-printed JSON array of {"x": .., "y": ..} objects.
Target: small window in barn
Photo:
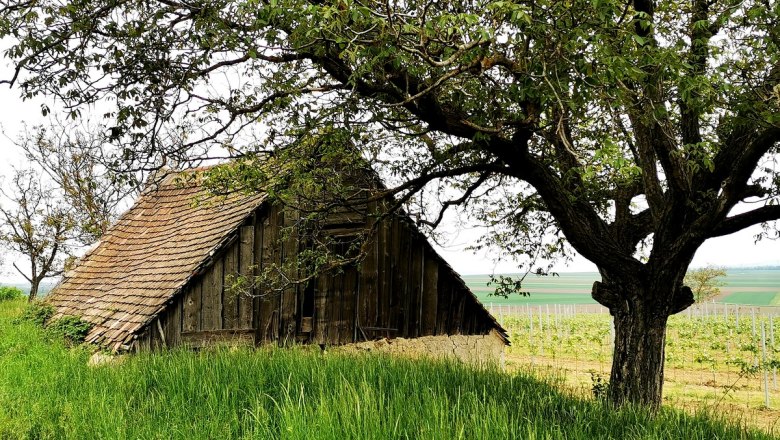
[{"x": 345, "y": 246}]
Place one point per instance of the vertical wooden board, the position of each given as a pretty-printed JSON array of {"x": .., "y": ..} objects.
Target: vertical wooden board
[
  {"x": 335, "y": 287},
  {"x": 289, "y": 298},
  {"x": 347, "y": 325},
  {"x": 457, "y": 312},
  {"x": 468, "y": 316},
  {"x": 320, "y": 310},
  {"x": 269, "y": 301},
  {"x": 192, "y": 307},
  {"x": 260, "y": 220},
  {"x": 144, "y": 342},
  {"x": 367, "y": 290},
  {"x": 474, "y": 318},
  {"x": 212, "y": 297},
  {"x": 369, "y": 285},
  {"x": 452, "y": 326},
  {"x": 229, "y": 295},
  {"x": 444, "y": 302},
  {"x": 384, "y": 292},
  {"x": 430, "y": 293},
  {"x": 416, "y": 284},
  {"x": 394, "y": 287},
  {"x": 172, "y": 327},
  {"x": 403, "y": 280},
  {"x": 484, "y": 323},
  {"x": 246, "y": 260},
  {"x": 154, "y": 336},
  {"x": 207, "y": 301}
]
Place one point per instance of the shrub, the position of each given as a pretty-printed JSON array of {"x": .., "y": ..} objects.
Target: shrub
[
  {"x": 37, "y": 313},
  {"x": 599, "y": 386},
  {"x": 71, "y": 328},
  {"x": 8, "y": 293}
]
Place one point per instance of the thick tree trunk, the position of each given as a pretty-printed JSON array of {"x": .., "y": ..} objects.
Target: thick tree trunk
[
  {"x": 640, "y": 310},
  {"x": 637, "y": 375}
]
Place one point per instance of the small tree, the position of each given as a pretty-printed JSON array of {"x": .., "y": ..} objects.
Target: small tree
[
  {"x": 74, "y": 159},
  {"x": 37, "y": 225},
  {"x": 705, "y": 283}
]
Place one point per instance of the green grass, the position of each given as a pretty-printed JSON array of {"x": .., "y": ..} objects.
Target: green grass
[
  {"x": 48, "y": 392},
  {"x": 751, "y": 298}
]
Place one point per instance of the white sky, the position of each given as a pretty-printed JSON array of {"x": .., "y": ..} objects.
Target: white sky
[{"x": 735, "y": 250}]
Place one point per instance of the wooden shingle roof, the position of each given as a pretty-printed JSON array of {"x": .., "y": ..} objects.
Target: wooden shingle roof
[{"x": 148, "y": 257}]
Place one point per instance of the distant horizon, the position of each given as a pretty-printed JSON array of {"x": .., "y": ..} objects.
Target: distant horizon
[
  {"x": 771, "y": 266},
  {"x": 50, "y": 282}
]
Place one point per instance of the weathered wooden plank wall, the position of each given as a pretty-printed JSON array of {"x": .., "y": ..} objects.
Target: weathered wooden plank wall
[{"x": 402, "y": 288}]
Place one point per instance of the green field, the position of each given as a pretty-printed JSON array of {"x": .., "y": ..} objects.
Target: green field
[
  {"x": 48, "y": 391},
  {"x": 757, "y": 287},
  {"x": 753, "y": 298}
]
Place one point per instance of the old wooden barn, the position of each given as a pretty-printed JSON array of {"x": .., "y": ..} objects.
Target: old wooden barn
[{"x": 160, "y": 278}]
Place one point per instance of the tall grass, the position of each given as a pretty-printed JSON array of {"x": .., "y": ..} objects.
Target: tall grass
[{"x": 48, "y": 391}]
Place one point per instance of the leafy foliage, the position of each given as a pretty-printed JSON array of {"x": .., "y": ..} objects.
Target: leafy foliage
[
  {"x": 705, "y": 282},
  {"x": 73, "y": 158},
  {"x": 70, "y": 328},
  {"x": 9, "y": 293},
  {"x": 37, "y": 313}
]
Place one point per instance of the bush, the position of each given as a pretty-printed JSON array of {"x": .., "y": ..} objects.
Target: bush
[
  {"x": 37, "y": 313},
  {"x": 8, "y": 293},
  {"x": 71, "y": 328}
]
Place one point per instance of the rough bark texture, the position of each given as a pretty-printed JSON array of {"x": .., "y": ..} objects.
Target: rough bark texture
[
  {"x": 34, "y": 286},
  {"x": 638, "y": 359},
  {"x": 640, "y": 309}
]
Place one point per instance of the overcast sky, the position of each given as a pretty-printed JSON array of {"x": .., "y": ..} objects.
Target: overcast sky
[{"x": 735, "y": 250}]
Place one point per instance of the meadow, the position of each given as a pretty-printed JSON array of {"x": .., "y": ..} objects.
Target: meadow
[{"x": 48, "y": 391}]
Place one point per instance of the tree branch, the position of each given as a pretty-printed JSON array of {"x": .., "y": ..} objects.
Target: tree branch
[
  {"x": 22, "y": 273},
  {"x": 741, "y": 221}
]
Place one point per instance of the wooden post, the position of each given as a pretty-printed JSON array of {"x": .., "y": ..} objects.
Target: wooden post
[
  {"x": 162, "y": 333},
  {"x": 763, "y": 364}
]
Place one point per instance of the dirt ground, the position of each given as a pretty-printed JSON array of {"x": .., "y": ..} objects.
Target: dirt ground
[{"x": 739, "y": 398}]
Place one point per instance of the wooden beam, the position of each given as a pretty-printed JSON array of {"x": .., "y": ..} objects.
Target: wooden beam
[
  {"x": 230, "y": 297},
  {"x": 430, "y": 293},
  {"x": 246, "y": 259}
]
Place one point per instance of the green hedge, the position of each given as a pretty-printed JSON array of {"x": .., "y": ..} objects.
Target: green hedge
[{"x": 8, "y": 293}]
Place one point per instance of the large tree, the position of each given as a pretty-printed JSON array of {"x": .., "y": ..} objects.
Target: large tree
[{"x": 616, "y": 126}]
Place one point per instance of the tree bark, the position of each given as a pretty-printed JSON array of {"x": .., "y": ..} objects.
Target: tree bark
[
  {"x": 637, "y": 375},
  {"x": 640, "y": 310},
  {"x": 34, "y": 286}
]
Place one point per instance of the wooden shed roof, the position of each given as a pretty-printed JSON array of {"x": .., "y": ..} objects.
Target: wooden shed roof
[{"x": 148, "y": 257}]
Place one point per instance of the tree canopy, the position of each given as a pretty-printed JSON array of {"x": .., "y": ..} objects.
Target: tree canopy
[{"x": 606, "y": 125}]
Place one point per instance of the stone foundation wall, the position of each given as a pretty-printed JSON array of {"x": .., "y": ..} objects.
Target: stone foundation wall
[{"x": 480, "y": 350}]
